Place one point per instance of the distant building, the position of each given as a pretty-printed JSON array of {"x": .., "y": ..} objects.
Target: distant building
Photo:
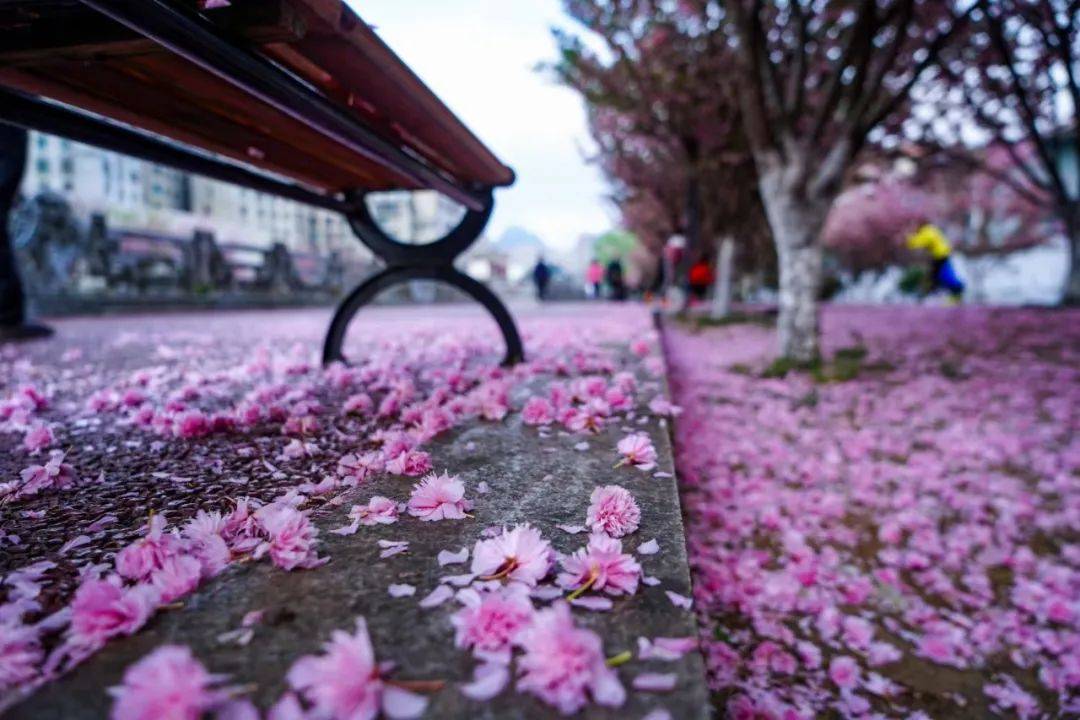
[{"x": 138, "y": 194}]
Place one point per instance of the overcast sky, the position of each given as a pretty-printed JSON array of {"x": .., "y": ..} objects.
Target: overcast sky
[{"x": 479, "y": 57}]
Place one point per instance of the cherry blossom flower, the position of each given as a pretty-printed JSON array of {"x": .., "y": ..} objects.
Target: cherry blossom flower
[
  {"x": 537, "y": 411},
  {"x": 191, "y": 424},
  {"x": 844, "y": 671},
  {"x": 360, "y": 467},
  {"x": 378, "y": 511},
  {"x": 346, "y": 682},
  {"x": 359, "y": 404},
  {"x": 491, "y": 621},
  {"x": 38, "y": 437},
  {"x": 167, "y": 683},
  {"x": 637, "y": 450},
  {"x": 612, "y": 510},
  {"x": 663, "y": 407},
  {"x": 439, "y": 497},
  {"x": 292, "y": 537},
  {"x": 53, "y": 474},
  {"x": 601, "y": 565},
  {"x": 20, "y": 653},
  {"x": 412, "y": 463},
  {"x": 564, "y": 665},
  {"x": 520, "y": 554},
  {"x": 149, "y": 553},
  {"x": 178, "y": 576},
  {"x": 102, "y": 609}
]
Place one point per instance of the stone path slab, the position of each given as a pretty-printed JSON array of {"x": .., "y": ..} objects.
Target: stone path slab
[{"x": 545, "y": 480}]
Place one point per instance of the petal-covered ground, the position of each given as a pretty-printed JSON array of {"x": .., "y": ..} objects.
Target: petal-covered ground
[
  {"x": 142, "y": 458},
  {"x": 896, "y": 534}
]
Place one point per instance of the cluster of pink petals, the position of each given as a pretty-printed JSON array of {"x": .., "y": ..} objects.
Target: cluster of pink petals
[
  {"x": 521, "y": 554},
  {"x": 601, "y": 565},
  {"x": 412, "y": 463},
  {"x": 378, "y": 511},
  {"x": 637, "y": 450},
  {"x": 102, "y": 609},
  {"x": 20, "y": 653},
  {"x": 537, "y": 411},
  {"x": 140, "y": 559},
  {"x": 169, "y": 683},
  {"x": 345, "y": 681},
  {"x": 612, "y": 510},
  {"x": 439, "y": 497},
  {"x": 490, "y": 621},
  {"x": 291, "y": 538},
  {"x": 38, "y": 438},
  {"x": 55, "y": 473},
  {"x": 564, "y": 665}
]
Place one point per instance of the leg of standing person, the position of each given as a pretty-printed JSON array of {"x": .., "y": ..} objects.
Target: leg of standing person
[{"x": 13, "y": 324}]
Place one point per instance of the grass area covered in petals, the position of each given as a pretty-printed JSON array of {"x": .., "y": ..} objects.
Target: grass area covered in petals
[{"x": 891, "y": 533}]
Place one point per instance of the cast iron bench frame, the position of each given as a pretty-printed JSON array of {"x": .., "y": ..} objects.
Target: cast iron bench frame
[{"x": 189, "y": 35}]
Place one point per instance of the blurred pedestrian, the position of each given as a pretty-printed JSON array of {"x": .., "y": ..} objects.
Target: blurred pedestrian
[
  {"x": 594, "y": 276},
  {"x": 13, "y": 322},
  {"x": 942, "y": 272},
  {"x": 541, "y": 277},
  {"x": 700, "y": 278},
  {"x": 615, "y": 281}
]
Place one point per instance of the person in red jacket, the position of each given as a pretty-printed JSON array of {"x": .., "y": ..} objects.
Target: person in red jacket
[{"x": 700, "y": 278}]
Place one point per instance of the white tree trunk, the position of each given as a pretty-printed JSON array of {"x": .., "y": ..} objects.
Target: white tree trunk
[
  {"x": 1072, "y": 282},
  {"x": 721, "y": 298},
  {"x": 796, "y": 222},
  {"x": 800, "y": 282}
]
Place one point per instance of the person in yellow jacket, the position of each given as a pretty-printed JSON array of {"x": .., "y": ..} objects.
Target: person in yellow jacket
[{"x": 943, "y": 276}]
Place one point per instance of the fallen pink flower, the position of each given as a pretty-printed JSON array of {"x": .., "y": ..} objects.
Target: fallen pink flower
[
  {"x": 844, "y": 671},
  {"x": 520, "y": 554},
  {"x": 601, "y": 565},
  {"x": 491, "y": 621},
  {"x": 346, "y": 681},
  {"x": 537, "y": 411},
  {"x": 20, "y": 653},
  {"x": 167, "y": 683},
  {"x": 143, "y": 556},
  {"x": 612, "y": 510},
  {"x": 637, "y": 450},
  {"x": 564, "y": 665},
  {"x": 439, "y": 497},
  {"x": 292, "y": 537},
  {"x": 38, "y": 437},
  {"x": 102, "y": 609},
  {"x": 412, "y": 463}
]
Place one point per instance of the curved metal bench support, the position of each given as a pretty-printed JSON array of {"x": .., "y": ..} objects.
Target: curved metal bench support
[{"x": 433, "y": 261}]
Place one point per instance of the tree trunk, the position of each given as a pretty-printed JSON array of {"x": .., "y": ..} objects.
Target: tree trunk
[
  {"x": 1072, "y": 282},
  {"x": 796, "y": 223},
  {"x": 721, "y": 299}
]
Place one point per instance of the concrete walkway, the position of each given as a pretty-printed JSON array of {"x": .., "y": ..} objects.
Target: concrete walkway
[{"x": 545, "y": 480}]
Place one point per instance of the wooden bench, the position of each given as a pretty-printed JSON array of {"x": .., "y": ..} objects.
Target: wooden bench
[{"x": 298, "y": 98}]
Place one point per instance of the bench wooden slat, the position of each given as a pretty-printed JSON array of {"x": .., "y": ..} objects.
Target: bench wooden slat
[{"x": 115, "y": 74}]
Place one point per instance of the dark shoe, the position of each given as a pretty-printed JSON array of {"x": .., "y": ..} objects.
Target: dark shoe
[{"x": 25, "y": 331}]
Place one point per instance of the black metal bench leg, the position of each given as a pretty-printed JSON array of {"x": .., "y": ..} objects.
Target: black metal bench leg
[{"x": 366, "y": 291}]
